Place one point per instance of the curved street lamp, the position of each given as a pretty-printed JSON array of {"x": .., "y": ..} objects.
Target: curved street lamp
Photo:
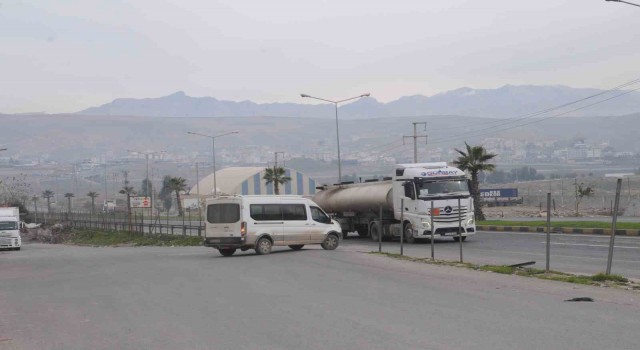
[
  {"x": 148, "y": 190},
  {"x": 213, "y": 151},
  {"x": 626, "y": 2},
  {"x": 337, "y": 128}
]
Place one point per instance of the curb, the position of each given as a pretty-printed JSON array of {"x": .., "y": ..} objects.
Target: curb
[{"x": 588, "y": 231}]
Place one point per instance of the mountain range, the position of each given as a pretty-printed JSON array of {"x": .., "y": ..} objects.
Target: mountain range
[{"x": 508, "y": 101}]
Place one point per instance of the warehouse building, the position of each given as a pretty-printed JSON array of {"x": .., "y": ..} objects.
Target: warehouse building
[{"x": 249, "y": 181}]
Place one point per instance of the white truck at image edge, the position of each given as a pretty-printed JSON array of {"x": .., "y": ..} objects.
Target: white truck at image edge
[
  {"x": 357, "y": 206},
  {"x": 10, "y": 228}
]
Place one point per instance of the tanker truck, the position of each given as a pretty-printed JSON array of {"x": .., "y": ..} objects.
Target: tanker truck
[{"x": 373, "y": 208}]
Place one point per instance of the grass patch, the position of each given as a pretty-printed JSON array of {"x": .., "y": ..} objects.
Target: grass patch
[
  {"x": 115, "y": 238},
  {"x": 530, "y": 272},
  {"x": 600, "y": 279},
  {"x": 507, "y": 270},
  {"x": 570, "y": 224}
]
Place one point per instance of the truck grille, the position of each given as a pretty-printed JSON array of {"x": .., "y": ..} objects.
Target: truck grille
[{"x": 449, "y": 214}]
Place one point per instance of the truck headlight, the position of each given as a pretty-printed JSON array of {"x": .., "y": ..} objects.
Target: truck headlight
[
  {"x": 426, "y": 224},
  {"x": 470, "y": 222}
]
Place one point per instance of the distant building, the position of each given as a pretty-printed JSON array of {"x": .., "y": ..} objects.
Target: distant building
[{"x": 249, "y": 181}]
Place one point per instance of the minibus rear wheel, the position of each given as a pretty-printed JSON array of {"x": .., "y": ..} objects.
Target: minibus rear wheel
[
  {"x": 263, "y": 246},
  {"x": 227, "y": 252}
]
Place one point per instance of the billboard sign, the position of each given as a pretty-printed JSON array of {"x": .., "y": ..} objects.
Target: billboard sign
[
  {"x": 140, "y": 202},
  {"x": 190, "y": 203},
  {"x": 498, "y": 193}
]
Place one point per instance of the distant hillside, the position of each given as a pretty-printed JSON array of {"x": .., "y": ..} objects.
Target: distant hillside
[
  {"x": 74, "y": 137},
  {"x": 504, "y": 102}
]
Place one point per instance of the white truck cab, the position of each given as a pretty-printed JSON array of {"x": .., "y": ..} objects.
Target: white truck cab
[
  {"x": 10, "y": 228},
  {"x": 260, "y": 222}
]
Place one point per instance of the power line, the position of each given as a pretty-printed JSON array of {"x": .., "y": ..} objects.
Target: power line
[
  {"x": 537, "y": 120},
  {"x": 501, "y": 122},
  {"x": 391, "y": 149}
]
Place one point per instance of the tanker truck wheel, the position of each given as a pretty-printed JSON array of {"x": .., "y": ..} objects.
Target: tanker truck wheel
[
  {"x": 374, "y": 233},
  {"x": 408, "y": 233},
  {"x": 362, "y": 230}
]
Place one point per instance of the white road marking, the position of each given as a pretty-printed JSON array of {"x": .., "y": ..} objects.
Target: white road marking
[
  {"x": 592, "y": 245},
  {"x": 568, "y": 235}
]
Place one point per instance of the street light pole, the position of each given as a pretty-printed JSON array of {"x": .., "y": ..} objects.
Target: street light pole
[
  {"x": 148, "y": 191},
  {"x": 626, "y": 2},
  {"x": 213, "y": 155},
  {"x": 337, "y": 127},
  {"x": 213, "y": 151}
]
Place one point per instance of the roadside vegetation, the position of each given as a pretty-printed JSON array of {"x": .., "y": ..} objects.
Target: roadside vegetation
[
  {"x": 568, "y": 224},
  {"x": 475, "y": 160},
  {"x": 117, "y": 238},
  {"x": 600, "y": 279}
]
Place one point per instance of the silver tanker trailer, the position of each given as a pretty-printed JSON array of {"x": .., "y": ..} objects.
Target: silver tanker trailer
[{"x": 359, "y": 206}]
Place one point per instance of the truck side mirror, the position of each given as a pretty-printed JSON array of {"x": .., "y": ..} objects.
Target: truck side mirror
[{"x": 408, "y": 190}]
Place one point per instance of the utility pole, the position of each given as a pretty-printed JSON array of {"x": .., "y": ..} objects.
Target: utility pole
[
  {"x": 198, "y": 194},
  {"x": 75, "y": 177},
  {"x": 105, "y": 182},
  {"x": 415, "y": 139}
]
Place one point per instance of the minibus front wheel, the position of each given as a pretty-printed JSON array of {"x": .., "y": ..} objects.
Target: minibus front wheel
[{"x": 331, "y": 242}]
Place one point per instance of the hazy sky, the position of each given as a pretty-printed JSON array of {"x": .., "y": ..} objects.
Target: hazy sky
[{"x": 67, "y": 55}]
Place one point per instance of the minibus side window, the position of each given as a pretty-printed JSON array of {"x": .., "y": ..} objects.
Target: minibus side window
[
  {"x": 266, "y": 212},
  {"x": 296, "y": 212}
]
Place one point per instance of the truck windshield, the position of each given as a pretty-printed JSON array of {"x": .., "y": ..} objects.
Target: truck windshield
[
  {"x": 442, "y": 188},
  {"x": 8, "y": 225}
]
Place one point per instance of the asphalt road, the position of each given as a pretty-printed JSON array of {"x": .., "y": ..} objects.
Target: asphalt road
[
  {"x": 67, "y": 297},
  {"x": 572, "y": 253}
]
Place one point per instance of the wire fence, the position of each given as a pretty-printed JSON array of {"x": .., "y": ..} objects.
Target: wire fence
[{"x": 134, "y": 223}]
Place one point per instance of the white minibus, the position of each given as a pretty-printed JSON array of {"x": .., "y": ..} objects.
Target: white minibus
[{"x": 261, "y": 222}]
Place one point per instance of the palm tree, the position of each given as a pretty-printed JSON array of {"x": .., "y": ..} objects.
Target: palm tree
[
  {"x": 68, "y": 196},
  {"x": 276, "y": 176},
  {"x": 128, "y": 190},
  {"x": 93, "y": 196},
  {"x": 177, "y": 185},
  {"x": 48, "y": 195},
  {"x": 165, "y": 192},
  {"x": 474, "y": 160}
]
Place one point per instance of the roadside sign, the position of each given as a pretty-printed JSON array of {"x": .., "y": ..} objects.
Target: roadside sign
[
  {"x": 140, "y": 202},
  {"x": 498, "y": 193}
]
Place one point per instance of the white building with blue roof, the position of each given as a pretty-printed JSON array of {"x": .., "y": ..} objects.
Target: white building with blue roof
[{"x": 249, "y": 181}]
